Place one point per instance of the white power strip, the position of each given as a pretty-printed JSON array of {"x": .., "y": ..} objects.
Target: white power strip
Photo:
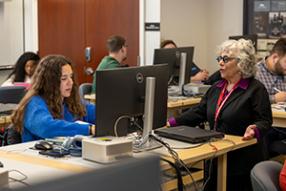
[{"x": 4, "y": 177}]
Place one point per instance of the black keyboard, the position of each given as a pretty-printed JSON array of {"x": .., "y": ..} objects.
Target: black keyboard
[{"x": 6, "y": 112}]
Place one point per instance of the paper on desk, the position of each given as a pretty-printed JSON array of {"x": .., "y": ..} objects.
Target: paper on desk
[
  {"x": 280, "y": 106},
  {"x": 173, "y": 144}
]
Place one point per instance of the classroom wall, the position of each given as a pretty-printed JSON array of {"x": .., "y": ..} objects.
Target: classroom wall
[
  {"x": 149, "y": 40},
  {"x": 203, "y": 24},
  {"x": 11, "y": 31},
  {"x": 18, "y": 31}
]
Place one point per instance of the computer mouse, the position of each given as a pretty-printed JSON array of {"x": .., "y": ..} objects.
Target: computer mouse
[{"x": 43, "y": 145}]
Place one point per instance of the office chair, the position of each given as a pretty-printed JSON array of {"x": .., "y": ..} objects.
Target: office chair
[
  {"x": 276, "y": 142},
  {"x": 10, "y": 136},
  {"x": 265, "y": 176},
  {"x": 84, "y": 88},
  {"x": 12, "y": 94}
]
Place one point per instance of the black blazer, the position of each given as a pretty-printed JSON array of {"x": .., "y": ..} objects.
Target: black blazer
[{"x": 243, "y": 108}]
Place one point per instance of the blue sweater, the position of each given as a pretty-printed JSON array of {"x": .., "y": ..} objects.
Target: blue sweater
[{"x": 38, "y": 122}]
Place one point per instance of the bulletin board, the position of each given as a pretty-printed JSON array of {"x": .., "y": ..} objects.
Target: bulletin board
[{"x": 267, "y": 19}]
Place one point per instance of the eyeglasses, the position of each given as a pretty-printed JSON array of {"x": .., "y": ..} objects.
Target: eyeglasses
[{"x": 225, "y": 59}]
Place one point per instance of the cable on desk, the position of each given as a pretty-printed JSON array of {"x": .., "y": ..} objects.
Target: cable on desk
[
  {"x": 133, "y": 122},
  {"x": 25, "y": 177},
  {"x": 230, "y": 141},
  {"x": 117, "y": 121},
  {"x": 189, "y": 147},
  {"x": 209, "y": 177},
  {"x": 175, "y": 156},
  {"x": 214, "y": 156},
  {"x": 180, "y": 184}
]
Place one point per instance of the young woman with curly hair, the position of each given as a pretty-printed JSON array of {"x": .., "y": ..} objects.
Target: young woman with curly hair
[{"x": 52, "y": 105}]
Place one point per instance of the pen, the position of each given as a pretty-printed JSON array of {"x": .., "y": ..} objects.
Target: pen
[{"x": 277, "y": 89}]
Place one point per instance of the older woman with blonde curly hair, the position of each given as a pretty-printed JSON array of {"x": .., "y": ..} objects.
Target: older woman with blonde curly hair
[
  {"x": 237, "y": 105},
  {"x": 52, "y": 105}
]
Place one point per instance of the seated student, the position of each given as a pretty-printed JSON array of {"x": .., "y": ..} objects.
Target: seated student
[
  {"x": 197, "y": 74},
  {"x": 237, "y": 105},
  {"x": 23, "y": 69},
  {"x": 52, "y": 105},
  {"x": 272, "y": 73},
  {"x": 117, "y": 49}
]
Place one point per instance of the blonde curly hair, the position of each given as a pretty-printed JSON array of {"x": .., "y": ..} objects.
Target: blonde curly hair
[{"x": 245, "y": 52}]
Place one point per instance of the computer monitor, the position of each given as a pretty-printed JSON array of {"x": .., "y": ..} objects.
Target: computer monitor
[
  {"x": 173, "y": 57},
  {"x": 252, "y": 37},
  {"x": 140, "y": 174},
  {"x": 121, "y": 92}
]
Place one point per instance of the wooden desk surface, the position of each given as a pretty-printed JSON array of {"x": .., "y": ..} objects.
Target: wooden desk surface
[
  {"x": 20, "y": 152},
  {"x": 279, "y": 114},
  {"x": 19, "y": 156},
  {"x": 183, "y": 103},
  {"x": 229, "y": 143},
  {"x": 279, "y": 118},
  {"x": 171, "y": 104}
]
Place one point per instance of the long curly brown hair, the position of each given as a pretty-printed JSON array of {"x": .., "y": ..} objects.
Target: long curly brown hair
[{"x": 46, "y": 83}]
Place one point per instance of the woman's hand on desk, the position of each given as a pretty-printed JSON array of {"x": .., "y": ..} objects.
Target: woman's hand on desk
[
  {"x": 249, "y": 132},
  {"x": 168, "y": 124}
]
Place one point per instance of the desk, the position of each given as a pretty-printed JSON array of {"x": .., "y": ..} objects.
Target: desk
[
  {"x": 21, "y": 158},
  {"x": 174, "y": 107},
  {"x": 182, "y": 103},
  {"x": 279, "y": 118},
  {"x": 178, "y": 104}
]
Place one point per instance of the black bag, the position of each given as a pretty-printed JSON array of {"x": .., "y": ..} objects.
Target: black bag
[{"x": 9, "y": 135}]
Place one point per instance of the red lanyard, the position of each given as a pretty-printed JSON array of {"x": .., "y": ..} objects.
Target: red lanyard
[{"x": 222, "y": 99}]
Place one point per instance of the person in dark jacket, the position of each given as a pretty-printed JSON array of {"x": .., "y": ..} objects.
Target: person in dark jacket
[
  {"x": 197, "y": 74},
  {"x": 237, "y": 105}
]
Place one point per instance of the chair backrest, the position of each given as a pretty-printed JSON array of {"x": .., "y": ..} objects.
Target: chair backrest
[
  {"x": 265, "y": 176},
  {"x": 10, "y": 136},
  {"x": 12, "y": 94},
  {"x": 84, "y": 88}
]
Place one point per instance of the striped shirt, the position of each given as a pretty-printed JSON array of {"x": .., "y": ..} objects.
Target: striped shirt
[{"x": 270, "y": 80}]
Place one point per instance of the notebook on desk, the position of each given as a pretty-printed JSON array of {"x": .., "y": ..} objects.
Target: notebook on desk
[{"x": 189, "y": 134}]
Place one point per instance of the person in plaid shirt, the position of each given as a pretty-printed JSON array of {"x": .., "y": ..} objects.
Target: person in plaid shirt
[
  {"x": 272, "y": 70},
  {"x": 272, "y": 73}
]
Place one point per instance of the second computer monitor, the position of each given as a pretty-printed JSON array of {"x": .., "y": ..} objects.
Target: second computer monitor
[
  {"x": 121, "y": 92},
  {"x": 173, "y": 57}
]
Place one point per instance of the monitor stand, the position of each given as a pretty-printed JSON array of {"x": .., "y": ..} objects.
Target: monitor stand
[
  {"x": 178, "y": 90},
  {"x": 144, "y": 142}
]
